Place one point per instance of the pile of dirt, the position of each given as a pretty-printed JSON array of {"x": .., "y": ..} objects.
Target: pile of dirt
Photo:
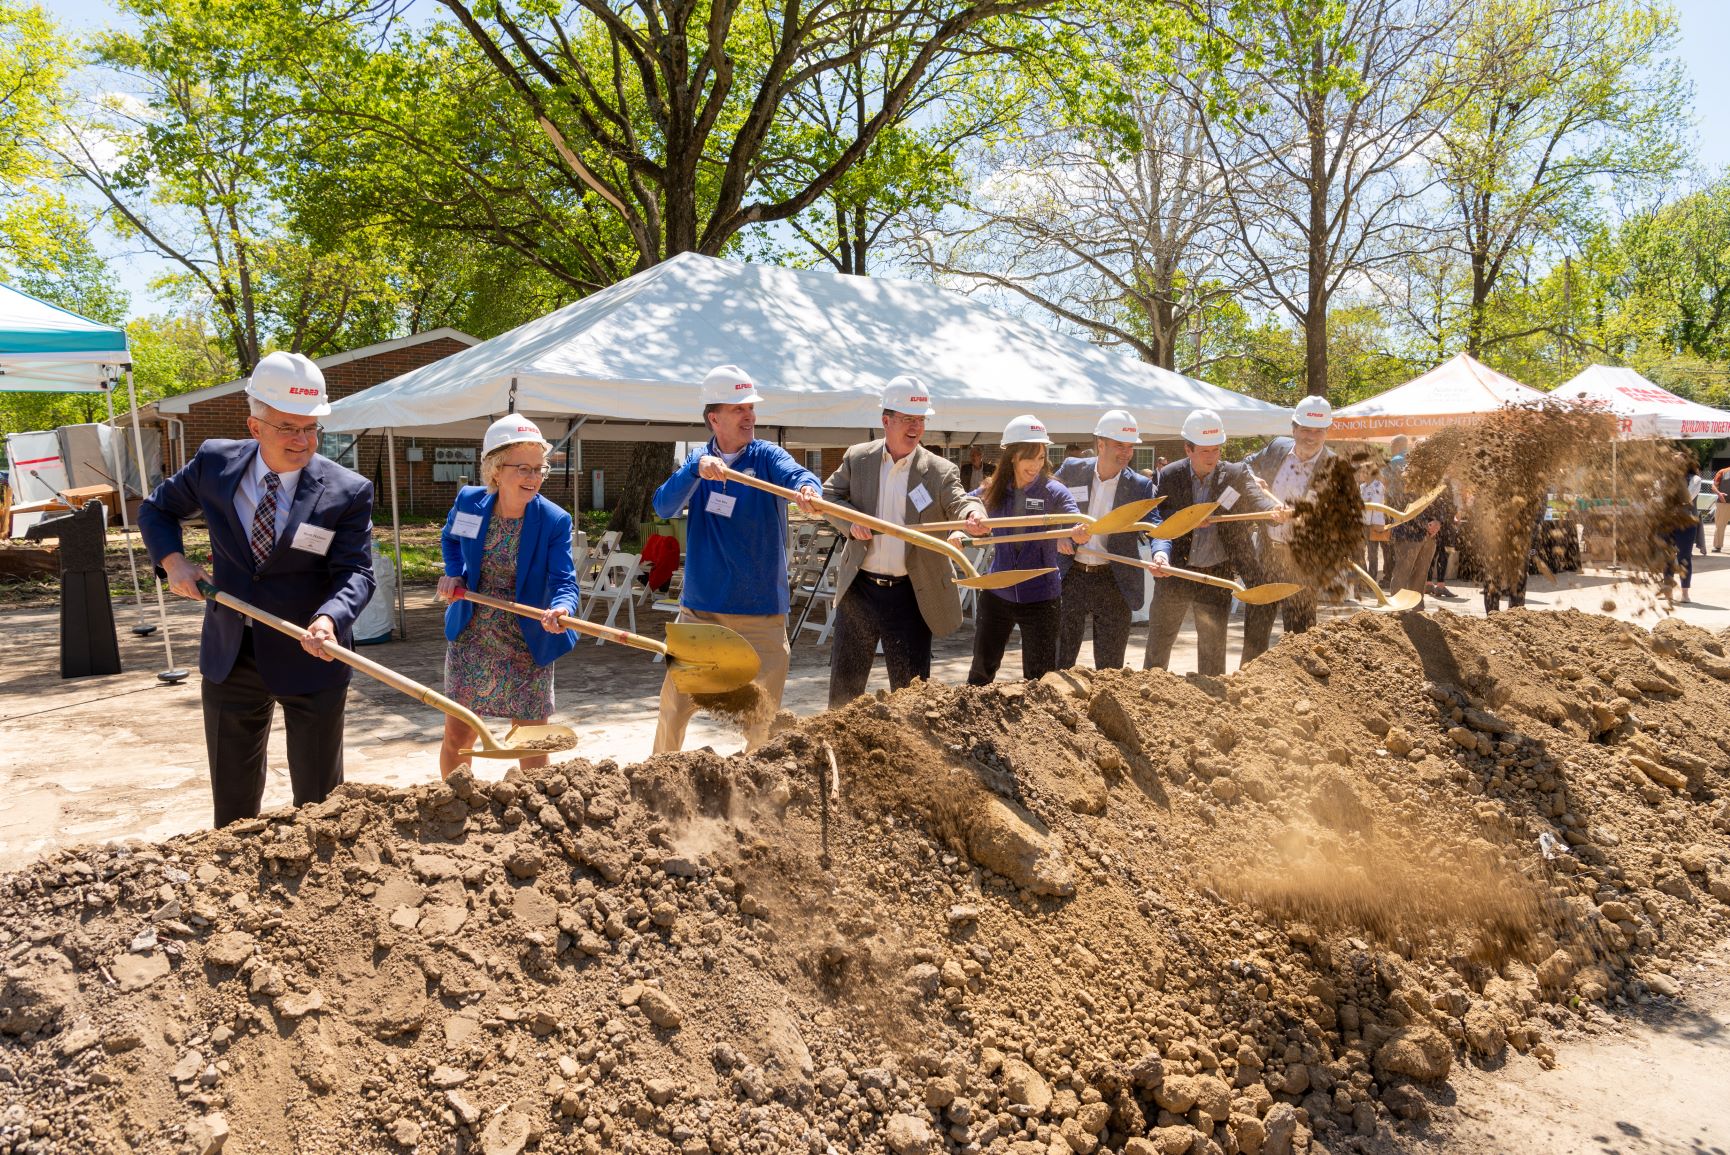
[{"x": 1117, "y": 911}]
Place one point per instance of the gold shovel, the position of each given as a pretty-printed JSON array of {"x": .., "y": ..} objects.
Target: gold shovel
[
  {"x": 1177, "y": 524},
  {"x": 1124, "y": 517},
  {"x": 1397, "y": 602},
  {"x": 1400, "y": 516},
  {"x": 973, "y": 580},
  {"x": 702, "y": 658},
  {"x": 1250, "y": 595},
  {"x": 520, "y": 742}
]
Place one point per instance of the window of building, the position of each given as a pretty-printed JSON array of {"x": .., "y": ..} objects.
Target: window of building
[{"x": 342, "y": 448}]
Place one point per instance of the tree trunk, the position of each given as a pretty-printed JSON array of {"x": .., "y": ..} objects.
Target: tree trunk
[{"x": 651, "y": 464}]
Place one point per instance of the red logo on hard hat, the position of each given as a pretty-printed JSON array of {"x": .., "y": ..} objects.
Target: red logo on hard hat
[
  {"x": 916, "y": 399},
  {"x": 741, "y": 385},
  {"x": 297, "y": 391},
  {"x": 1035, "y": 428}
]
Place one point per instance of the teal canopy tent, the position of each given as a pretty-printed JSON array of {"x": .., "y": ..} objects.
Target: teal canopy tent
[{"x": 47, "y": 349}]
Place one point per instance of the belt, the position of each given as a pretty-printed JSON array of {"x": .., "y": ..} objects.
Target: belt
[
  {"x": 1086, "y": 567},
  {"x": 883, "y": 579}
]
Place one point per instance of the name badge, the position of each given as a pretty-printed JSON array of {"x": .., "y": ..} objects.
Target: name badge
[
  {"x": 1081, "y": 495},
  {"x": 312, "y": 539},
  {"x": 919, "y": 497},
  {"x": 1036, "y": 505},
  {"x": 1228, "y": 497},
  {"x": 720, "y": 504},
  {"x": 466, "y": 525}
]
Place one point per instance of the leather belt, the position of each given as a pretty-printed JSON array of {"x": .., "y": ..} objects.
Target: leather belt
[
  {"x": 1085, "y": 567},
  {"x": 883, "y": 579}
]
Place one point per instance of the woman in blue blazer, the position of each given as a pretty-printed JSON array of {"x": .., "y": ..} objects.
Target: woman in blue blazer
[{"x": 504, "y": 539}]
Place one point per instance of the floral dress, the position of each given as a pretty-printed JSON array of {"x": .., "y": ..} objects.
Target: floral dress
[{"x": 488, "y": 668}]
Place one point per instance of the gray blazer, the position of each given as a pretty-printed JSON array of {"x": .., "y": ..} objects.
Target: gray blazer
[
  {"x": 1077, "y": 474},
  {"x": 854, "y": 485},
  {"x": 1265, "y": 462}
]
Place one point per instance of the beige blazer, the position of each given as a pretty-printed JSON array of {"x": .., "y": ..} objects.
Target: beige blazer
[{"x": 855, "y": 485}]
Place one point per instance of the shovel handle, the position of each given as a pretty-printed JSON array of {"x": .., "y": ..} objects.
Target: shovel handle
[
  {"x": 592, "y": 629},
  {"x": 1020, "y": 521},
  {"x": 876, "y": 524},
  {"x": 367, "y": 666},
  {"x": 1259, "y": 515}
]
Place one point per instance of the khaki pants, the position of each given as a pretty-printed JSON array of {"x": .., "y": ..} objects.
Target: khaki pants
[
  {"x": 1720, "y": 517},
  {"x": 1412, "y": 564},
  {"x": 767, "y": 634}
]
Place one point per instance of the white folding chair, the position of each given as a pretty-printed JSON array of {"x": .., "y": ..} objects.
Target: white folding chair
[
  {"x": 589, "y": 576},
  {"x": 617, "y": 587}
]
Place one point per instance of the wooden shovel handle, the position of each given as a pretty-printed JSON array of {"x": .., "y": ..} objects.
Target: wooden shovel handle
[
  {"x": 592, "y": 629},
  {"x": 1019, "y": 521},
  {"x": 875, "y": 524},
  {"x": 348, "y": 657},
  {"x": 1259, "y": 515}
]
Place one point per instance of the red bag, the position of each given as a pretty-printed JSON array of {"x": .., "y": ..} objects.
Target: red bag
[{"x": 662, "y": 552}]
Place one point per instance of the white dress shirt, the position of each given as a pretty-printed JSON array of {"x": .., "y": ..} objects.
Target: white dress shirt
[
  {"x": 251, "y": 488},
  {"x": 1102, "y": 496},
  {"x": 884, "y": 554},
  {"x": 1290, "y": 485}
]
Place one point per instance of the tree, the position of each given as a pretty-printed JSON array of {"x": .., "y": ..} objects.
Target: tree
[
  {"x": 1104, "y": 206},
  {"x": 665, "y": 115},
  {"x": 1557, "y": 99},
  {"x": 1339, "y": 97}
]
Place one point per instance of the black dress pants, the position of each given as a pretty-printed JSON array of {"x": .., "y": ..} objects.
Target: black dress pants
[
  {"x": 237, "y": 717},
  {"x": 1093, "y": 594},
  {"x": 998, "y": 617},
  {"x": 873, "y": 612}
]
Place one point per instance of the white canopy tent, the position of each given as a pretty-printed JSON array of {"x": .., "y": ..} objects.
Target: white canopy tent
[
  {"x": 1642, "y": 408},
  {"x": 625, "y": 363},
  {"x": 1459, "y": 391},
  {"x": 47, "y": 349}
]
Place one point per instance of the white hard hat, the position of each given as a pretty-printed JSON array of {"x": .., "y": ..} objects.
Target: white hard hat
[
  {"x": 908, "y": 394},
  {"x": 290, "y": 383},
  {"x": 728, "y": 385},
  {"x": 1204, "y": 427},
  {"x": 1027, "y": 427},
  {"x": 1313, "y": 413},
  {"x": 508, "y": 430},
  {"x": 1118, "y": 425}
]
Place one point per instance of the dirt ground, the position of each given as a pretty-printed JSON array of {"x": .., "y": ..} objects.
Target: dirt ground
[{"x": 1308, "y": 925}]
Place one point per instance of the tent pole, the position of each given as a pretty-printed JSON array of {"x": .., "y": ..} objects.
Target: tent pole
[
  {"x": 1615, "y": 507},
  {"x": 117, "y": 464},
  {"x": 396, "y": 534},
  {"x": 173, "y": 674}
]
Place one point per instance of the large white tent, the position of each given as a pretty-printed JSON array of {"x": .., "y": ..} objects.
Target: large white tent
[
  {"x": 1459, "y": 391},
  {"x": 47, "y": 349},
  {"x": 624, "y": 364},
  {"x": 1644, "y": 409}
]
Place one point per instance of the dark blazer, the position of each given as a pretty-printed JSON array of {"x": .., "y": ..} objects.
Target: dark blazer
[
  {"x": 546, "y": 575},
  {"x": 1077, "y": 474},
  {"x": 293, "y": 583},
  {"x": 1177, "y": 485}
]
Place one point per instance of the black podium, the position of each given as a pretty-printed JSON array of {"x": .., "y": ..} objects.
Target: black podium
[{"x": 88, "y": 644}]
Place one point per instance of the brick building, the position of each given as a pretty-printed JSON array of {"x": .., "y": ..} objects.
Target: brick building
[{"x": 186, "y": 421}]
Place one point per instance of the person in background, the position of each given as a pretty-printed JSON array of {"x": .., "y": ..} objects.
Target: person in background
[
  {"x": 1094, "y": 586},
  {"x": 1394, "y": 481},
  {"x": 1721, "y": 510},
  {"x": 975, "y": 472},
  {"x": 735, "y": 546},
  {"x": 886, "y": 590},
  {"x": 1683, "y": 536},
  {"x": 504, "y": 538},
  {"x": 290, "y": 532},
  {"x": 1288, "y": 468},
  {"x": 1371, "y": 488},
  {"x": 1022, "y": 484},
  {"x": 1415, "y": 543}
]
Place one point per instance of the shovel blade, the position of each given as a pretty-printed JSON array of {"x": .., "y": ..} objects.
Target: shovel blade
[
  {"x": 709, "y": 659},
  {"x": 1267, "y": 594},
  {"x": 1398, "y": 602},
  {"x": 1124, "y": 516},
  {"x": 1002, "y": 579},
  {"x": 1185, "y": 520},
  {"x": 528, "y": 742}
]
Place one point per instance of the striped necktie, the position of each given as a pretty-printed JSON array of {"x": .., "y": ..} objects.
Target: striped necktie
[{"x": 264, "y": 520}]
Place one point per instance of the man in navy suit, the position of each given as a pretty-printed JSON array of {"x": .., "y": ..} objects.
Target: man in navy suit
[
  {"x": 1093, "y": 585},
  {"x": 290, "y": 532}
]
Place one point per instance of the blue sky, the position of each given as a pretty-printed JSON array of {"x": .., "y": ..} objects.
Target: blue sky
[{"x": 1705, "y": 36}]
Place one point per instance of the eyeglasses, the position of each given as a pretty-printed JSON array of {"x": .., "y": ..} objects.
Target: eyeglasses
[
  {"x": 292, "y": 430},
  {"x": 527, "y": 471}
]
